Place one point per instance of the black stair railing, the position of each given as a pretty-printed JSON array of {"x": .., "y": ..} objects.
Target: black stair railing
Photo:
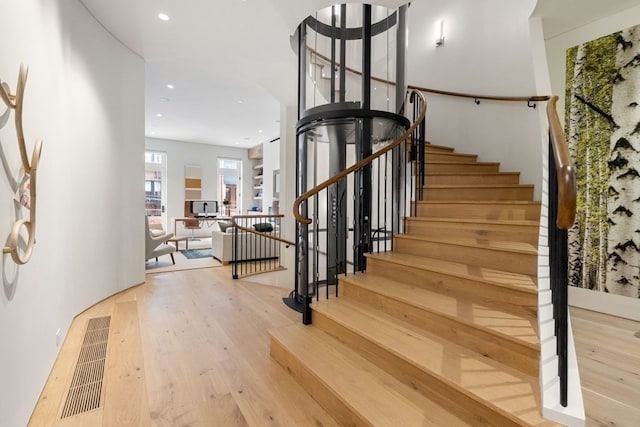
[
  {"x": 396, "y": 177},
  {"x": 562, "y": 210},
  {"x": 257, "y": 244}
]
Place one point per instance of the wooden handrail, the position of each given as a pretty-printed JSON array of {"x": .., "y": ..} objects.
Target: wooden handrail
[
  {"x": 306, "y": 195},
  {"x": 564, "y": 167},
  {"x": 269, "y": 236},
  {"x": 533, "y": 98}
]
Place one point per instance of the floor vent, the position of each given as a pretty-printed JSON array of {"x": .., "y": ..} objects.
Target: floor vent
[{"x": 86, "y": 386}]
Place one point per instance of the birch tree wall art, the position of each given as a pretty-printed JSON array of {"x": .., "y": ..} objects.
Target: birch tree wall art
[{"x": 603, "y": 128}]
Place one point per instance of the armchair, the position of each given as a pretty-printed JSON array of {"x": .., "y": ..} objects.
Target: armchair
[{"x": 156, "y": 246}]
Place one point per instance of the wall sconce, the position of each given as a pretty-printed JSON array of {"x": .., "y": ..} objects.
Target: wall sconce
[{"x": 440, "y": 33}]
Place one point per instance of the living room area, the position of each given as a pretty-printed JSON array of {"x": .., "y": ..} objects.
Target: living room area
[{"x": 191, "y": 192}]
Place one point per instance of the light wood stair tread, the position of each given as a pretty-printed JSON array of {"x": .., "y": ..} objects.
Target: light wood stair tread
[
  {"x": 364, "y": 387},
  {"x": 506, "y": 390},
  {"x": 505, "y": 279},
  {"x": 490, "y": 317},
  {"x": 440, "y": 148},
  {"x": 469, "y": 173},
  {"x": 519, "y": 247},
  {"x": 522, "y": 222},
  {"x": 444, "y": 162},
  {"x": 472, "y": 186},
  {"x": 479, "y": 202}
]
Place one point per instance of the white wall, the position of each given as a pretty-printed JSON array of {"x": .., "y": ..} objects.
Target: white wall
[
  {"x": 85, "y": 99},
  {"x": 271, "y": 162},
  {"x": 180, "y": 154},
  {"x": 486, "y": 51}
]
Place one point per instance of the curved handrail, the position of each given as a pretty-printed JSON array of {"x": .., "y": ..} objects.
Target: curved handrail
[
  {"x": 250, "y": 230},
  {"x": 315, "y": 190},
  {"x": 533, "y": 98},
  {"x": 564, "y": 167}
]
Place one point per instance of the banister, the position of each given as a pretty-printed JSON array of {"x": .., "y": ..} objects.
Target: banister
[
  {"x": 269, "y": 236},
  {"x": 532, "y": 98},
  {"x": 306, "y": 195},
  {"x": 565, "y": 169}
]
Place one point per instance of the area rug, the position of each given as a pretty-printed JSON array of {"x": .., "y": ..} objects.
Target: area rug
[
  {"x": 164, "y": 264},
  {"x": 197, "y": 253}
]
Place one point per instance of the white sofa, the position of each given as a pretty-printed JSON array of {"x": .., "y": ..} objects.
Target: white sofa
[{"x": 253, "y": 246}]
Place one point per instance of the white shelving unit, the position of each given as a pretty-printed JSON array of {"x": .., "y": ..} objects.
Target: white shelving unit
[{"x": 255, "y": 154}]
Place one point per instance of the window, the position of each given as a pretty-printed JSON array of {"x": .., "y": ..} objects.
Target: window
[
  {"x": 230, "y": 186},
  {"x": 154, "y": 182}
]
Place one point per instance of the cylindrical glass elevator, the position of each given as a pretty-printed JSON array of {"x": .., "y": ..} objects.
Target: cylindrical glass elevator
[{"x": 351, "y": 95}]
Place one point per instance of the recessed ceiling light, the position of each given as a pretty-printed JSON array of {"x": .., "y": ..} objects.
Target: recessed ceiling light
[
  {"x": 163, "y": 16},
  {"x": 240, "y": 101},
  {"x": 159, "y": 115},
  {"x": 259, "y": 130},
  {"x": 170, "y": 86}
]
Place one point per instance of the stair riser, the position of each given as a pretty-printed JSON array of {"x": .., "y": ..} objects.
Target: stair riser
[
  {"x": 335, "y": 406},
  {"x": 498, "y": 211},
  {"x": 462, "y": 167},
  {"x": 514, "y": 262},
  {"x": 438, "y": 390},
  {"x": 478, "y": 193},
  {"x": 500, "y": 232},
  {"x": 498, "y": 347},
  {"x": 471, "y": 179},
  {"x": 452, "y": 285},
  {"x": 450, "y": 157}
]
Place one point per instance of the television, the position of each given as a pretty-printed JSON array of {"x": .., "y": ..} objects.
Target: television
[{"x": 204, "y": 207}]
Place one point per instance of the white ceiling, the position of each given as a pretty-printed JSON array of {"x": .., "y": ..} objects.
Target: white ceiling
[
  {"x": 231, "y": 61},
  {"x": 560, "y": 16}
]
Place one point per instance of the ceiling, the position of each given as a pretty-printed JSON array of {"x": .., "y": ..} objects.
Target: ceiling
[
  {"x": 560, "y": 16},
  {"x": 231, "y": 63}
]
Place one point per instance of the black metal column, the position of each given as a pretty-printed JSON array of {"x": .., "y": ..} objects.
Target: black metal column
[
  {"x": 362, "y": 226},
  {"x": 337, "y": 206}
]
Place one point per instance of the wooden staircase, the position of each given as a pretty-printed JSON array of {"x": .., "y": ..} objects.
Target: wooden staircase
[{"x": 442, "y": 331}]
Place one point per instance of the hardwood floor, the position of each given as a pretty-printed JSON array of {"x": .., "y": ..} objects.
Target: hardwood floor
[
  {"x": 187, "y": 348},
  {"x": 609, "y": 362},
  {"x": 192, "y": 348}
]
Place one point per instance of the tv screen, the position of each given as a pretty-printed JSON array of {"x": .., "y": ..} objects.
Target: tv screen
[{"x": 204, "y": 207}]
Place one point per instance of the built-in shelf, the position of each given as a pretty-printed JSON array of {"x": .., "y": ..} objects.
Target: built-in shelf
[{"x": 255, "y": 154}]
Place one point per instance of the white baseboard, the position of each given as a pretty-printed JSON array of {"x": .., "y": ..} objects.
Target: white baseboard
[{"x": 615, "y": 305}]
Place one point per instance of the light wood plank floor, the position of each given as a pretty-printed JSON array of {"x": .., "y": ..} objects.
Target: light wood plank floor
[
  {"x": 191, "y": 348},
  {"x": 609, "y": 363},
  {"x": 187, "y": 348}
]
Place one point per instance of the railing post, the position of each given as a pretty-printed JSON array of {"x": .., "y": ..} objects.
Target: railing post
[{"x": 234, "y": 258}]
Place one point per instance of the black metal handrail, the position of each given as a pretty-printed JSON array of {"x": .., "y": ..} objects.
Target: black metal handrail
[
  {"x": 256, "y": 244},
  {"x": 562, "y": 209}
]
